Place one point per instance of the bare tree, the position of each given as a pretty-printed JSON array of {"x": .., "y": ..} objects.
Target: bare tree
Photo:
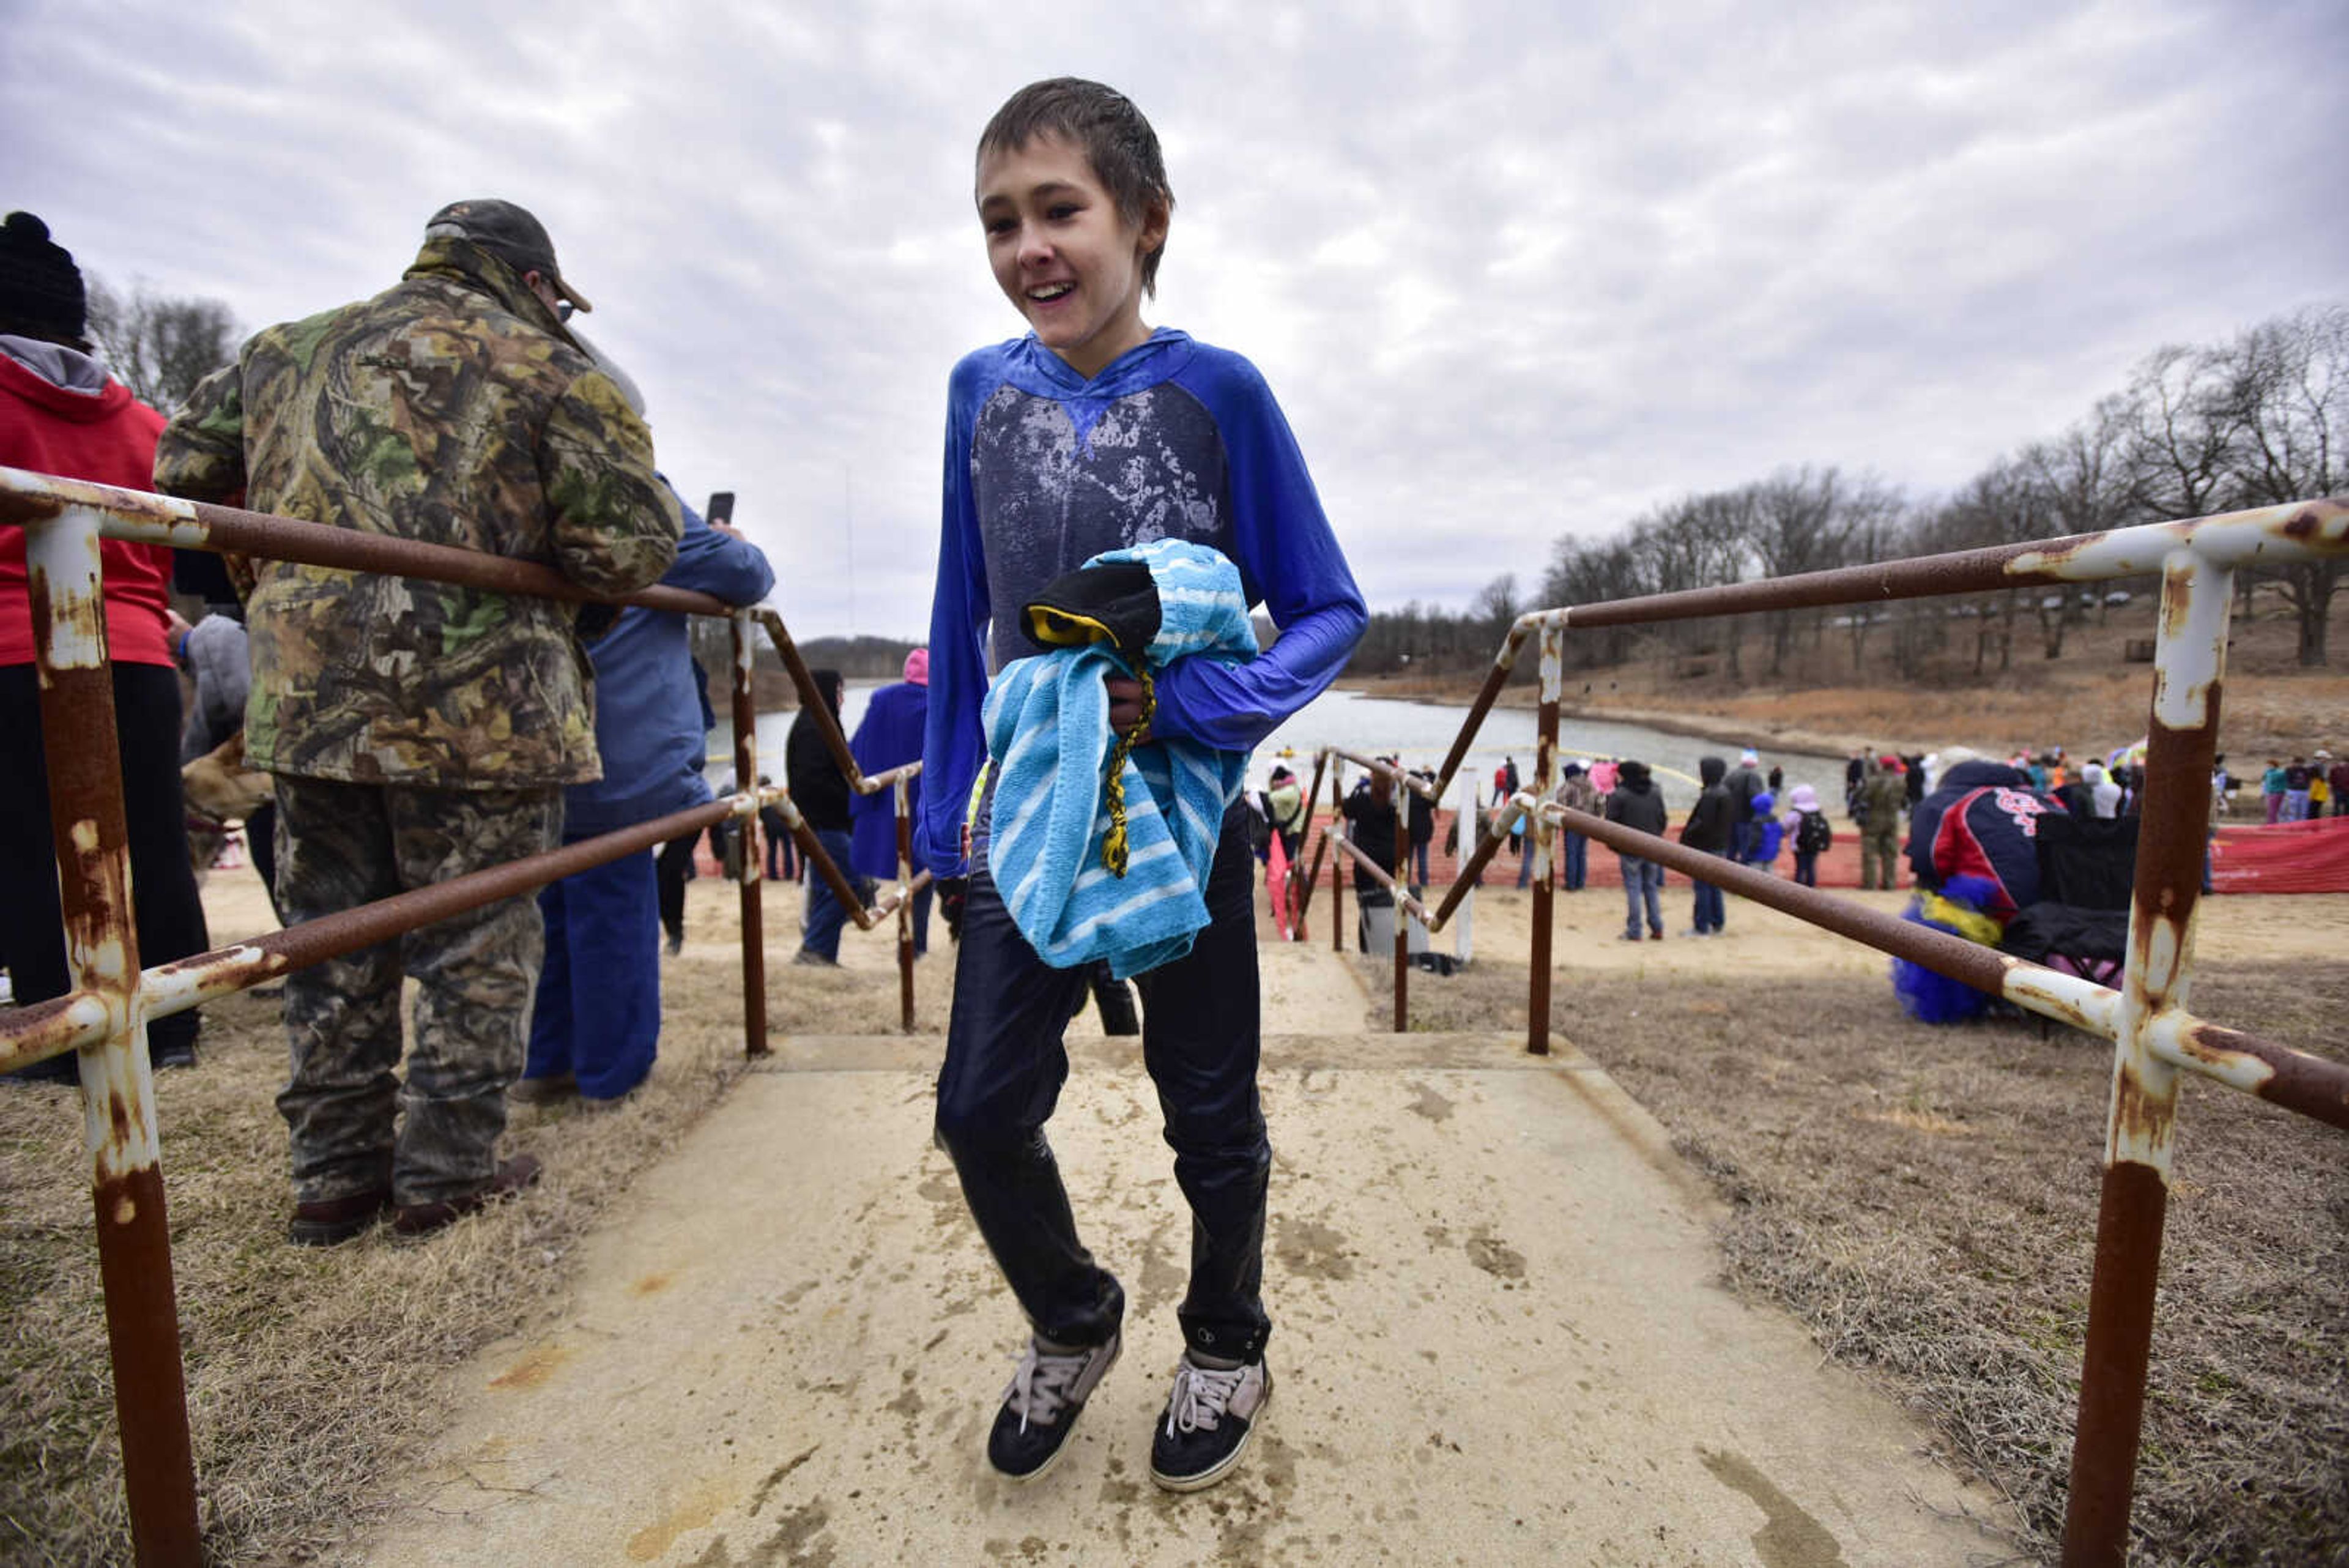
[
  {"x": 2000, "y": 506},
  {"x": 1494, "y": 608},
  {"x": 161, "y": 346},
  {"x": 2082, "y": 480},
  {"x": 2288, "y": 402},
  {"x": 2180, "y": 432}
]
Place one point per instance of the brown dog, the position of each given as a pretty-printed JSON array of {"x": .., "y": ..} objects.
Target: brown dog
[{"x": 221, "y": 791}]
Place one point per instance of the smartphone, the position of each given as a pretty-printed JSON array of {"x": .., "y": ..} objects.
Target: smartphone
[{"x": 721, "y": 508}]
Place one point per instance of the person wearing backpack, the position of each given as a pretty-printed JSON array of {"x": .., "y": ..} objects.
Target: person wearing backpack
[{"x": 1814, "y": 835}]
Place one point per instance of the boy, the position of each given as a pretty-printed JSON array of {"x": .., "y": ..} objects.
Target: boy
[{"x": 1093, "y": 433}]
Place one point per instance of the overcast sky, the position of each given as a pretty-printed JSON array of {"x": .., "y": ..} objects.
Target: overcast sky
[{"x": 1514, "y": 272}]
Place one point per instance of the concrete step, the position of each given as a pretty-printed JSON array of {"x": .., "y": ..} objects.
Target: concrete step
[{"x": 1500, "y": 1338}]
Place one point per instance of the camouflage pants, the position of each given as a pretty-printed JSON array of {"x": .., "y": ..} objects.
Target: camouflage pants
[
  {"x": 343, "y": 845},
  {"x": 1879, "y": 858}
]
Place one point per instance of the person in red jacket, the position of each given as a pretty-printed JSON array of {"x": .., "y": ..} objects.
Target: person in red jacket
[{"x": 61, "y": 413}]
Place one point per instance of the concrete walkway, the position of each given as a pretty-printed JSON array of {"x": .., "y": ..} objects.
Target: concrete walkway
[{"x": 1499, "y": 1340}]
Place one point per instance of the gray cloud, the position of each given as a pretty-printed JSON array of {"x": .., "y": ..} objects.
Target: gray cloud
[{"x": 1515, "y": 272}]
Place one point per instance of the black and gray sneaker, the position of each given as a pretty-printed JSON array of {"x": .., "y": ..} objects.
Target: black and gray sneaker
[
  {"x": 1040, "y": 1408},
  {"x": 1210, "y": 1418}
]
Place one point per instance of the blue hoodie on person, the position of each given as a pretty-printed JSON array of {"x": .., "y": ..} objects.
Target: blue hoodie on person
[
  {"x": 1045, "y": 469},
  {"x": 649, "y": 713}
]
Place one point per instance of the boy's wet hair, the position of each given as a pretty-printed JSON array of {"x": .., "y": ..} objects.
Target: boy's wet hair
[{"x": 1104, "y": 125}]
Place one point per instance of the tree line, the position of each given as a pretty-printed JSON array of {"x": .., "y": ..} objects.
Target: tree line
[{"x": 2260, "y": 420}]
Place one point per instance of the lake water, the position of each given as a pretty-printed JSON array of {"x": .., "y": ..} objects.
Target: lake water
[{"x": 1421, "y": 733}]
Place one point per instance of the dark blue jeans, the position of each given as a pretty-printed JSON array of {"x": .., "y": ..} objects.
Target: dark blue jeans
[
  {"x": 598, "y": 1012},
  {"x": 1709, "y": 913},
  {"x": 1004, "y": 1067},
  {"x": 1578, "y": 860},
  {"x": 825, "y": 915},
  {"x": 1643, "y": 881}
]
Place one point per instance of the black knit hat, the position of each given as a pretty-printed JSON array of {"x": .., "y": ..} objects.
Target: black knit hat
[{"x": 40, "y": 288}]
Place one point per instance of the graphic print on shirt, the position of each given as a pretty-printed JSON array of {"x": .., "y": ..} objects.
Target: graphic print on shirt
[{"x": 1058, "y": 483}]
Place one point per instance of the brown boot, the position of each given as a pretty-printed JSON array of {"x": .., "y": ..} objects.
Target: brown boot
[
  {"x": 416, "y": 1220},
  {"x": 545, "y": 1091},
  {"x": 331, "y": 1221}
]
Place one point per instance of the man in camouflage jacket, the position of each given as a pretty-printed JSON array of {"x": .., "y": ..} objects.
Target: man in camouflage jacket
[{"x": 419, "y": 731}]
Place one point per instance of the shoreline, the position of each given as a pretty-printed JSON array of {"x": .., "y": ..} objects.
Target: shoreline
[{"x": 1695, "y": 726}]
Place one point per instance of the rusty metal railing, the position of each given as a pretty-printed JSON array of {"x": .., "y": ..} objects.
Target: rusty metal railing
[
  {"x": 2154, "y": 1036},
  {"x": 105, "y": 1013}
]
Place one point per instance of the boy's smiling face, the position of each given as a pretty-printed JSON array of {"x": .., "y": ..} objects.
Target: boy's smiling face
[{"x": 1062, "y": 253}]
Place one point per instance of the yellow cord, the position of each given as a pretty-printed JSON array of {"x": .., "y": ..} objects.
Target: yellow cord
[{"x": 1113, "y": 848}]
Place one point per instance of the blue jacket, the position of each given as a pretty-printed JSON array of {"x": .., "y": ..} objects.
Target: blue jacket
[
  {"x": 649, "y": 719},
  {"x": 889, "y": 734},
  {"x": 1044, "y": 470}
]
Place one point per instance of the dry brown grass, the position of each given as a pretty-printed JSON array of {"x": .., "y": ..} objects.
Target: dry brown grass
[
  {"x": 1924, "y": 1199},
  {"x": 310, "y": 1373}
]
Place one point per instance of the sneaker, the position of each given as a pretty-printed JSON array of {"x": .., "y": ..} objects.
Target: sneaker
[
  {"x": 1655, "y": 936},
  {"x": 1210, "y": 1418},
  {"x": 1048, "y": 1392}
]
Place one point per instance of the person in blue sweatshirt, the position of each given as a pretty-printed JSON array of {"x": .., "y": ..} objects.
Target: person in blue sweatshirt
[
  {"x": 1094, "y": 432},
  {"x": 596, "y": 1028}
]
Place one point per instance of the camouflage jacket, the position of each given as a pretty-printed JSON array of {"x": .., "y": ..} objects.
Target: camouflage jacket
[{"x": 451, "y": 409}]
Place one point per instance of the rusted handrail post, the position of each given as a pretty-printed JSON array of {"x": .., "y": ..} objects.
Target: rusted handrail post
[
  {"x": 2190, "y": 663},
  {"x": 903, "y": 790},
  {"x": 752, "y": 868},
  {"x": 117, "y": 1085},
  {"x": 1553, "y": 659},
  {"x": 1399, "y": 797},
  {"x": 1337, "y": 863}
]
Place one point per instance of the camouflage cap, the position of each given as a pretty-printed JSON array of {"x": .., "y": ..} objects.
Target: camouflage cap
[{"x": 507, "y": 232}]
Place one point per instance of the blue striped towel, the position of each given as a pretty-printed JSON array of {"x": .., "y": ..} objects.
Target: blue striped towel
[{"x": 1047, "y": 722}]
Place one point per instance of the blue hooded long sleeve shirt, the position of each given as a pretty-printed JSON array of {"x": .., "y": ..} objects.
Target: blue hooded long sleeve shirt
[
  {"x": 1045, "y": 469},
  {"x": 648, "y": 717}
]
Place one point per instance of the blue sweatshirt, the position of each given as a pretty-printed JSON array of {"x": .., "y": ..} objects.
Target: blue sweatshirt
[
  {"x": 649, "y": 719},
  {"x": 1045, "y": 469}
]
